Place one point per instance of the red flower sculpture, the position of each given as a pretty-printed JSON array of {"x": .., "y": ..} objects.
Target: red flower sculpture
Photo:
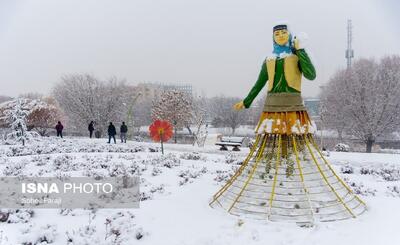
[{"x": 161, "y": 131}]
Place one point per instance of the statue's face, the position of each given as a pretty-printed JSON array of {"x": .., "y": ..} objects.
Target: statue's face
[{"x": 281, "y": 37}]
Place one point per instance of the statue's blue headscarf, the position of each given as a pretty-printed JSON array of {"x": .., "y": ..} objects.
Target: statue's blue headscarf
[{"x": 285, "y": 49}]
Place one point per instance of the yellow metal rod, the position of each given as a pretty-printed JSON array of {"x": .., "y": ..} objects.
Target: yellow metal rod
[
  {"x": 334, "y": 173},
  {"x": 238, "y": 172},
  {"x": 324, "y": 177},
  {"x": 252, "y": 171},
  {"x": 301, "y": 175},
  {"x": 277, "y": 162}
]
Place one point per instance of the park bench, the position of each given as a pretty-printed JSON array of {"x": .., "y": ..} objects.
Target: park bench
[{"x": 235, "y": 142}]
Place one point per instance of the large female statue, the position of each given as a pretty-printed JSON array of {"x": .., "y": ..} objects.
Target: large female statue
[{"x": 285, "y": 176}]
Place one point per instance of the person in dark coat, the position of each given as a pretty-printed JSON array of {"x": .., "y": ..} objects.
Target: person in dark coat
[
  {"x": 59, "y": 129},
  {"x": 91, "y": 129},
  {"x": 111, "y": 133},
  {"x": 123, "y": 131}
]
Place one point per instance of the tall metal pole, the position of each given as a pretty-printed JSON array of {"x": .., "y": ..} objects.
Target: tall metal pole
[
  {"x": 129, "y": 120},
  {"x": 349, "y": 50}
]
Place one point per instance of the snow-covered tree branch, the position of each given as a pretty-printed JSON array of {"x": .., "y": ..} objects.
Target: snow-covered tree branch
[{"x": 364, "y": 100}]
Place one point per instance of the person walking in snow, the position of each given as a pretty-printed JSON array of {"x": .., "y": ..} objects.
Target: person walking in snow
[
  {"x": 123, "y": 131},
  {"x": 111, "y": 133},
  {"x": 91, "y": 129},
  {"x": 59, "y": 129}
]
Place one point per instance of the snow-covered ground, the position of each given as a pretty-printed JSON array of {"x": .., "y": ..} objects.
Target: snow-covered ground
[{"x": 175, "y": 191}]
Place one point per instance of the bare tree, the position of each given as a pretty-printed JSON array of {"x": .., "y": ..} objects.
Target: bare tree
[
  {"x": 85, "y": 98},
  {"x": 366, "y": 99},
  {"x": 141, "y": 111},
  {"x": 255, "y": 111},
  {"x": 199, "y": 120},
  {"x": 332, "y": 104},
  {"x": 174, "y": 106},
  {"x": 224, "y": 115}
]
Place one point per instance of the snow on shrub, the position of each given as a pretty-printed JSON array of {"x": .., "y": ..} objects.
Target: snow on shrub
[
  {"x": 4, "y": 160},
  {"x": 159, "y": 189},
  {"x": 108, "y": 167},
  {"x": 52, "y": 146},
  {"x": 95, "y": 173},
  {"x": 39, "y": 160},
  {"x": 393, "y": 191},
  {"x": 14, "y": 169},
  {"x": 121, "y": 169},
  {"x": 232, "y": 158},
  {"x": 121, "y": 229},
  {"x": 360, "y": 189},
  {"x": 16, "y": 215},
  {"x": 388, "y": 173},
  {"x": 365, "y": 171},
  {"x": 145, "y": 196},
  {"x": 65, "y": 163},
  {"x": 347, "y": 169},
  {"x": 169, "y": 160},
  {"x": 33, "y": 235},
  {"x": 83, "y": 235},
  {"x": 223, "y": 175},
  {"x": 191, "y": 156},
  {"x": 188, "y": 175},
  {"x": 341, "y": 147},
  {"x": 156, "y": 171}
]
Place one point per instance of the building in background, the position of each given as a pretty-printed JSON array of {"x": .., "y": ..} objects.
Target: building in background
[
  {"x": 312, "y": 105},
  {"x": 153, "y": 89}
]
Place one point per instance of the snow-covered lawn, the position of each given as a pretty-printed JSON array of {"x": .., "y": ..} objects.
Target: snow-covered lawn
[{"x": 175, "y": 191}]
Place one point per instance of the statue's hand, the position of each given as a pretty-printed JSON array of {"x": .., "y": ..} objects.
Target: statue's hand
[{"x": 239, "y": 106}]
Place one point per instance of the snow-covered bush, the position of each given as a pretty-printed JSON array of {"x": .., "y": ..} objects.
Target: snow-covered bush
[
  {"x": 65, "y": 163},
  {"x": 169, "y": 160},
  {"x": 223, "y": 176},
  {"x": 159, "y": 189},
  {"x": 393, "y": 191},
  {"x": 188, "y": 175},
  {"x": 154, "y": 149},
  {"x": 145, "y": 196},
  {"x": 347, "y": 169},
  {"x": 3, "y": 159},
  {"x": 33, "y": 235},
  {"x": 388, "y": 173},
  {"x": 121, "y": 169},
  {"x": 16, "y": 215},
  {"x": 156, "y": 171},
  {"x": 360, "y": 189},
  {"x": 365, "y": 171},
  {"x": 83, "y": 235},
  {"x": 14, "y": 169},
  {"x": 191, "y": 156},
  {"x": 52, "y": 145},
  {"x": 326, "y": 153},
  {"x": 121, "y": 229},
  {"x": 95, "y": 173},
  {"x": 232, "y": 158},
  {"x": 341, "y": 147},
  {"x": 40, "y": 160}
]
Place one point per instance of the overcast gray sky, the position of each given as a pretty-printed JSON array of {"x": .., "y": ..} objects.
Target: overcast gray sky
[{"x": 216, "y": 45}]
